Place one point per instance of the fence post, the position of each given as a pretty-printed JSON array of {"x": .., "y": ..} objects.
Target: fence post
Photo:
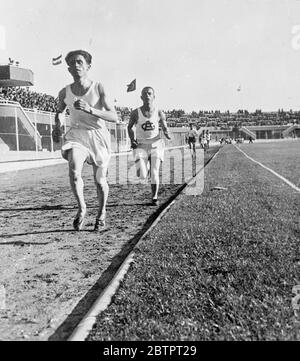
[
  {"x": 118, "y": 134},
  {"x": 17, "y": 129},
  {"x": 35, "y": 131},
  {"x": 51, "y": 140}
]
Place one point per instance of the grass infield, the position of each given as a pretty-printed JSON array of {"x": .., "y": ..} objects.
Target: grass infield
[
  {"x": 219, "y": 266},
  {"x": 283, "y": 157}
]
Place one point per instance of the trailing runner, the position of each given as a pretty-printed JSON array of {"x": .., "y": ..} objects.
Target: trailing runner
[{"x": 148, "y": 146}]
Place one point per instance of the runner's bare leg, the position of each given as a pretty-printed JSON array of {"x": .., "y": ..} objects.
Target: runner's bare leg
[
  {"x": 155, "y": 165},
  {"x": 141, "y": 168},
  {"x": 76, "y": 160},
  {"x": 102, "y": 190}
]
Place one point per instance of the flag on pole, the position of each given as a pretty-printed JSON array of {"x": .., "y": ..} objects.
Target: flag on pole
[
  {"x": 57, "y": 61},
  {"x": 132, "y": 86}
]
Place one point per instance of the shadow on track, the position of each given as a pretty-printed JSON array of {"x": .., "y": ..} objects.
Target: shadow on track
[
  {"x": 71, "y": 207},
  {"x": 22, "y": 243},
  {"x": 35, "y": 233}
]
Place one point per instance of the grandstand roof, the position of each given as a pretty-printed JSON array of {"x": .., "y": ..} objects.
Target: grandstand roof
[
  {"x": 15, "y": 76},
  {"x": 267, "y": 127}
]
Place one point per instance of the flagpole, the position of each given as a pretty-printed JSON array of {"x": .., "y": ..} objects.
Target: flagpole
[
  {"x": 241, "y": 99},
  {"x": 117, "y": 131},
  {"x": 239, "y": 90}
]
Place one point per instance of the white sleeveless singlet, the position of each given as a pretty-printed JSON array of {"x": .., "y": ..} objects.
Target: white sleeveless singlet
[
  {"x": 147, "y": 129},
  {"x": 80, "y": 119},
  {"x": 93, "y": 138}
]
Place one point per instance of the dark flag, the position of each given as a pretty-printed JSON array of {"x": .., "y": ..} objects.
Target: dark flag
[
  {"x": 57, "y": 61},
  {"x": 132, "y": 86}
]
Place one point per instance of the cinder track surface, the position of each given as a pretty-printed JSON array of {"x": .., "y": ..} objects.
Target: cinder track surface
[{"x": 51, "y": 274}]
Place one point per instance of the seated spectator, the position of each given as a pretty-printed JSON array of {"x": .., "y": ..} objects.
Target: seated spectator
[{"x": 29, "y": 99}]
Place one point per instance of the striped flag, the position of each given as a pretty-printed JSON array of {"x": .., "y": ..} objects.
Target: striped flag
[
  {"x": 132, "y": 86},
  {"x": 57, "y": 61}
]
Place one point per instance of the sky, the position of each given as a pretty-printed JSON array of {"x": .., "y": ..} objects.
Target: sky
[{"x": 194, "y": 53}]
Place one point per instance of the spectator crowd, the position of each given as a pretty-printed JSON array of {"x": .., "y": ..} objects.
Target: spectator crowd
[
  {"x": 29, "y": 99},
  {"x": 175, "y": 118}
]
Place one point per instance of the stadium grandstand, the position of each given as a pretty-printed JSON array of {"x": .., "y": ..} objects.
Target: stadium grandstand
[
  {"x": 242, "y": 124},
  {"x": 27, "y": 118},
  {"x": 29, "y": 99}
]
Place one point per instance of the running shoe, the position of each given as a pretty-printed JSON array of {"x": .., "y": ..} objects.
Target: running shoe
[
  {"x": 99, "y": 225},
  {"x": 79, "y": 220},
  {"x": 155, "y": 202}
]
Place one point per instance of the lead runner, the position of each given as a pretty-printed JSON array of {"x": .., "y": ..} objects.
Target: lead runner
[
  {"x": 88, "y": 139},
  {"x": 148, "y": 147}
]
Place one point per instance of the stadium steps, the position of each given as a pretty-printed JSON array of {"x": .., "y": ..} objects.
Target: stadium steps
[
  {"x": 27, "y": 131},
  {"x": 248, "y": 132},
  {"x": 290, "y": 129},
  {"x": 3, "y": 146}
]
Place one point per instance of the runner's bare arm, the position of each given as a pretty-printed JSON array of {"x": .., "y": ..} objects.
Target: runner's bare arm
[
  {"x": 106, "y": 112},
  {"x": 60, "y": 107},
  {"x": 163, "y": 124},
  {"x": 131, "y": 124}
]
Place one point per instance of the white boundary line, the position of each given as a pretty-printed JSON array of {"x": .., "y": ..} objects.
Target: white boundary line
[
  {"x": 14, "y": 166},
  {"x": 270, "y": 170},
  {"x": 104, "y": 299},
  {"x": 86, "y": 324}
]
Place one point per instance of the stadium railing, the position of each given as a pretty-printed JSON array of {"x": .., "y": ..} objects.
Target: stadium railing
[
  {"x": 19, "y": 124},
  {"x": 17, "y": 130}
]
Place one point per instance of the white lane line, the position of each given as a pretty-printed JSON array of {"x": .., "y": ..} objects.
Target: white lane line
[
  {"x": 12, "y": 166},
  {"x": 292, "y": 185},
  {"x": 85, "y": 326},
  {"x": 16, "y": 166}
]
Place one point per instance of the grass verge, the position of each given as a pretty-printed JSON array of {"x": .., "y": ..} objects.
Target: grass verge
[
  {"x": 283, "y": 157},
  {"x": 219, "y": 266}
]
